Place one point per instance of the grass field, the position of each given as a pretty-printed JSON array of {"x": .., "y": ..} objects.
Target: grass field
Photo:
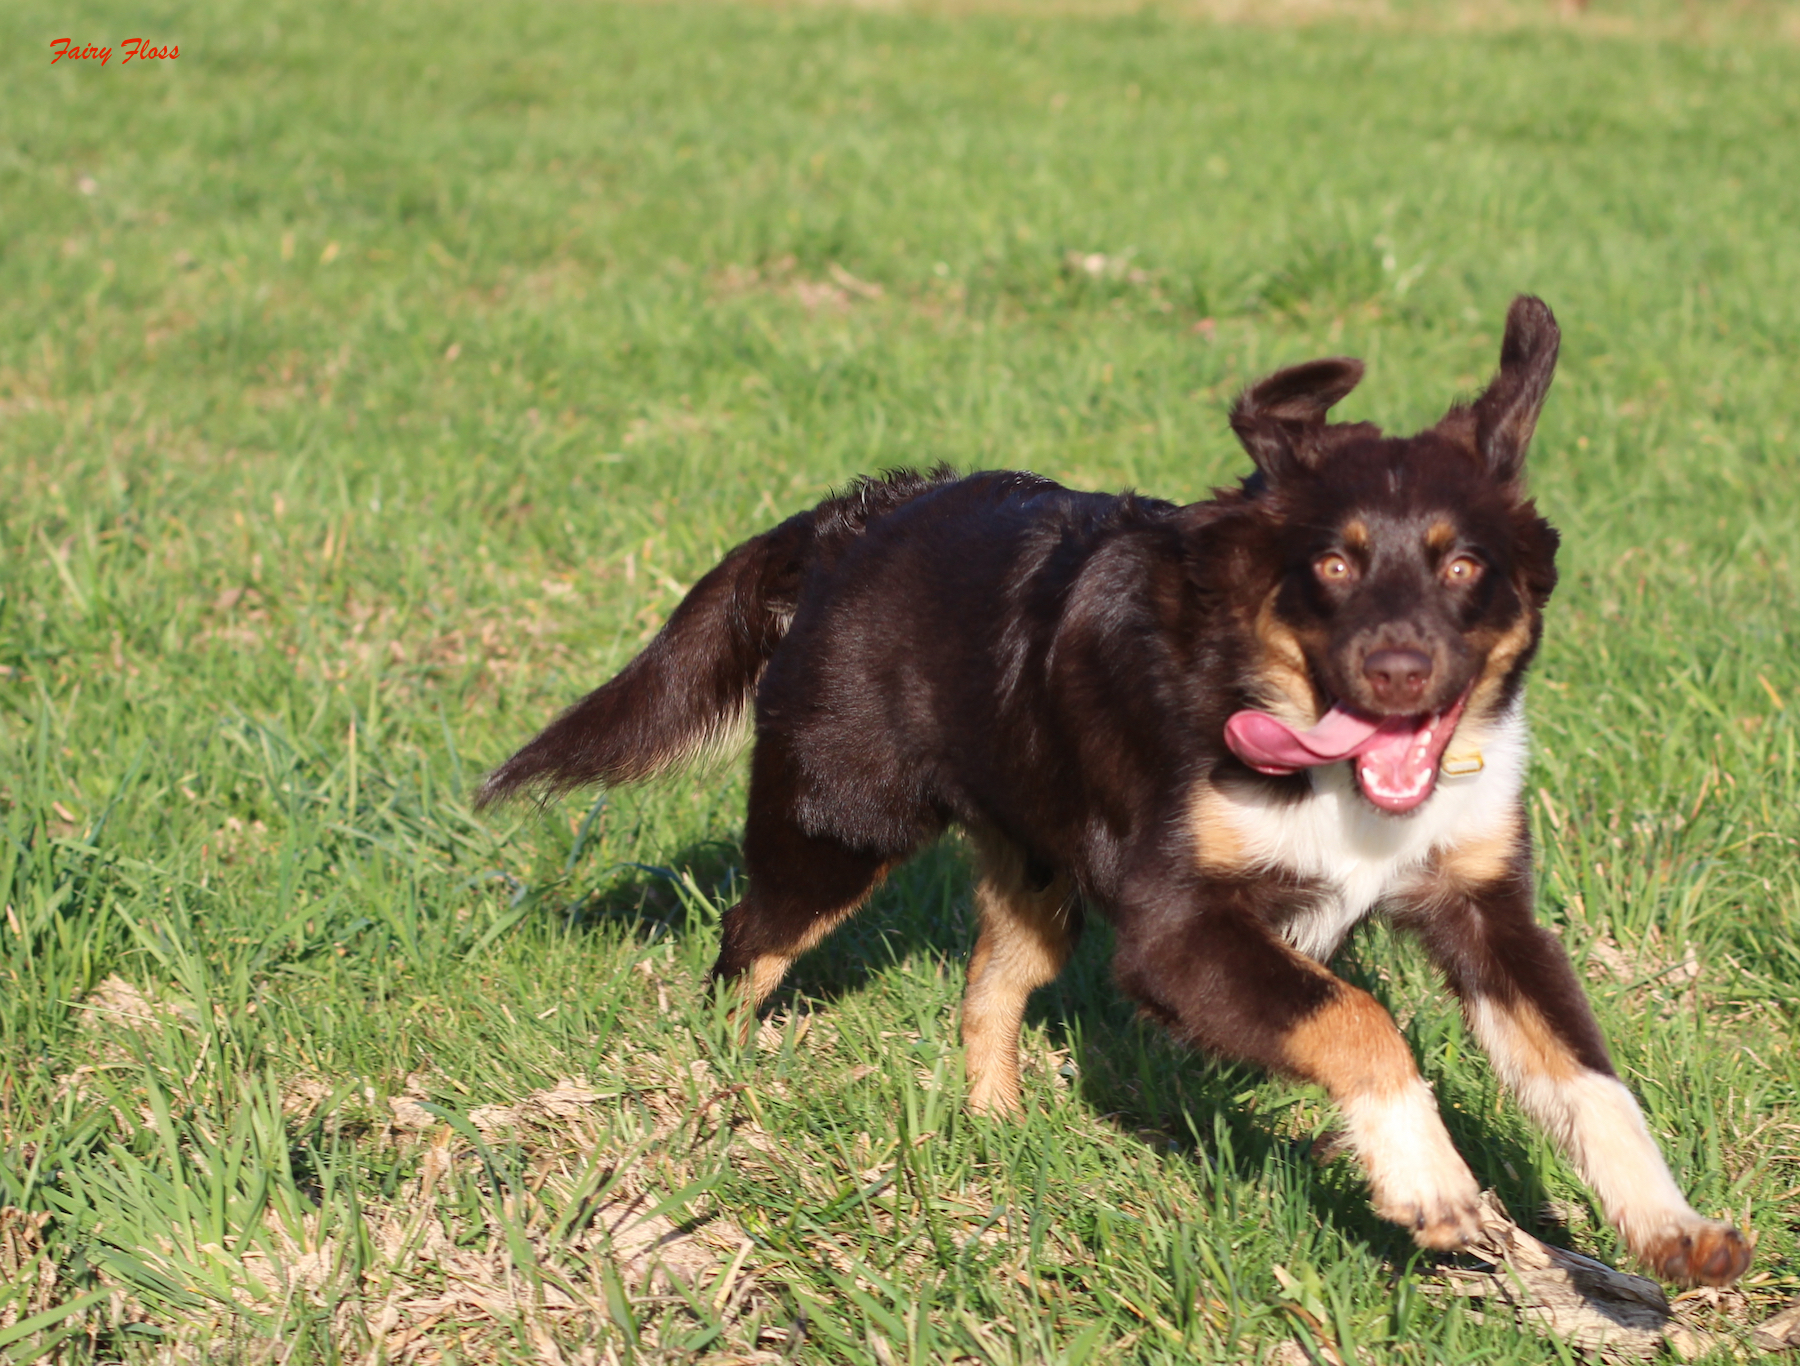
[{"x": 372, "y": 378}]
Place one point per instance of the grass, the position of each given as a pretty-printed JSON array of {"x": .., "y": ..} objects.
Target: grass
[{"x": 371, "y": 380}]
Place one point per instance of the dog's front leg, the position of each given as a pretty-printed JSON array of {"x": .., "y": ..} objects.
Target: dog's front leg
[
  {"x": 1523, "y": 1001},
  {"x": 1220, "y": 979}
]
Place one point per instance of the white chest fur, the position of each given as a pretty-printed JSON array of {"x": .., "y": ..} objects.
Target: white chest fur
[{"x": 1358, "y": 855}]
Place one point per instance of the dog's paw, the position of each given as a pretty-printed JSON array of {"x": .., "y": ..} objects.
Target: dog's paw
[
  {"x": 1433, "y": 1196},
  {"x": 1699, "y": 1252},
  {"x": 1443, "y": 1220},
  {"x": 995, "y": 1099},
  {"x": 1417, "y": 1179}
]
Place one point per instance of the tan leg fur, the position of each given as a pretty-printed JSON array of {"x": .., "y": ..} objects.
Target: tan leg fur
[
  {"x": 1026, "y": 938},
  {"x": 1416, "y": 1177},
  {"x": 1597, "y": 1123},
  {"x": 767, "y": 972}
]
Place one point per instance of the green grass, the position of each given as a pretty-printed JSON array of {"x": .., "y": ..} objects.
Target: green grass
[{"x": 372, "y": 377}]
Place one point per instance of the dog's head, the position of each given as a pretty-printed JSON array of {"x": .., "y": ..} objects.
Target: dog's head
[{"x": 1413, "y": 572}]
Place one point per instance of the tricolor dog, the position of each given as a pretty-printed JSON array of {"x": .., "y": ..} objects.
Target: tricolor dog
[{"x": 1233, "y": 728}]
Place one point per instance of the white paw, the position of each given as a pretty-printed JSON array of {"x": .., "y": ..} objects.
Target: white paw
[{"x": 1416, "y": 1177}]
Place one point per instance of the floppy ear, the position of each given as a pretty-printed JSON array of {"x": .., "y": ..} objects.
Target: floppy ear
[
  {"x": 1506, "y": 415},
  {"x": 1275, "y": 416}
]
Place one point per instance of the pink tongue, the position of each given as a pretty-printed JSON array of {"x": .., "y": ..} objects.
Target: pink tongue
[
  {"x": 1399, "y": 754},
  {"x": 1273, "y": 746}
]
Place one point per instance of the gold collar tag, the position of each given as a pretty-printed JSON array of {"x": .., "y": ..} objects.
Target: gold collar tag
[{"x": 1462, "y": 765}]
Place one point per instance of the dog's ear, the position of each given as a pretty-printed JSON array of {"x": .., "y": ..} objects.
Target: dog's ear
[
  {"x": 1276, "y": 418},
  {"x": 1505, "y": 416}
]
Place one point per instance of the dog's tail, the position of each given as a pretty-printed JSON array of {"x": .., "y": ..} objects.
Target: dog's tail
[{"x": 693, "y": 681}]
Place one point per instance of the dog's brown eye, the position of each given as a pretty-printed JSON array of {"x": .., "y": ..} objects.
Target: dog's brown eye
[
  {"x": 1333, "y": 568},
  {"x": 1463, "y": 571}
]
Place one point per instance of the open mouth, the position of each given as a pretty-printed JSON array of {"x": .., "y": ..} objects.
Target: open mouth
[{"x": 1395, "y": 758}]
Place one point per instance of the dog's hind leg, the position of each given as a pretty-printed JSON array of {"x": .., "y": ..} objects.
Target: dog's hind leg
[
  {"x": 801, "y": 886},
  {"x": 794, "y": 899},
  {"x": 1030, "y": 922},
  {"x": 1524, "y": 1003}
]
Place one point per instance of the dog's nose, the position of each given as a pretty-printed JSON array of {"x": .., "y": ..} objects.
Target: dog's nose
[{"x": 1397, "y": 677}]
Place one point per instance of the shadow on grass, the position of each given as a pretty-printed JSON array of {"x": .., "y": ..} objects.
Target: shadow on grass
[
  {"x": 1188, "y": 1107},
  {"x": 1175, "y": 1101},
  {"x": 922, "y": 908}
]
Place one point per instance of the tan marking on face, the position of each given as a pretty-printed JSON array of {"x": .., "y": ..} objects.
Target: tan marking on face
[
  {"x": 1511, "y": 643},
  {"x": 1282, "y": 681},
  {"x": 1356, "y": 534},
  {"x": 1351, "y": 1047},
  {"x": 1218, "y": 847},
  {"x": 1441, "y": 535},
  {"x": 1026, "y": 938}
]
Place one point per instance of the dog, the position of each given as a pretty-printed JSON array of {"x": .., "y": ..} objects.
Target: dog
[{"x": 1234, "y": 728}]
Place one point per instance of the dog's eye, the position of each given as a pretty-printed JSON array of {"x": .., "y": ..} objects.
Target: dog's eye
[
  {"x": 1463, "y": 571},
  {"x": 1334, "y": 568}
]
